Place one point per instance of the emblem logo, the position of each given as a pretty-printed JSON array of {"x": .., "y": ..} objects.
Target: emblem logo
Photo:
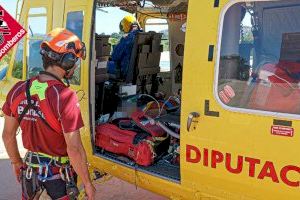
[{"x": 10, "y": 32}]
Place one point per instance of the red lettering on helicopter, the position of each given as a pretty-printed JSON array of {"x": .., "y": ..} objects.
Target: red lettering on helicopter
[
  {"x": 229, "y": 167},
  {"x": 252, "y": 163},
  {"x": 216, "y": 157},
  {"x": 254, "y": 167},
  {"x": 268, "y": 170},
  {"x": 189, "y": 157},
  {"x": 205, "y": 159},
  {"x": 283, "y": 174}
]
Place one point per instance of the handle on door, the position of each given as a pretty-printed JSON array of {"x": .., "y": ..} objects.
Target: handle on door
[{"x": 192, "y": 119}]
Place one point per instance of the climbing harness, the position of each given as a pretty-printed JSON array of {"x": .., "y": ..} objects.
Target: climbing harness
[{"x": 40, "y": 168}]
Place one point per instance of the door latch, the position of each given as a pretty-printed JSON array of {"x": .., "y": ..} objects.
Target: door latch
[{"x": 192, "y": 120}]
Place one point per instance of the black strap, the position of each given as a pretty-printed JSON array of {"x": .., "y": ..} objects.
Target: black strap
[
  {"x": 52, "y": 75},
  {"x": 29, "y": 105},
  {"x": 140, "y": 136},
  {"x": 58, "y": 79},
  {"x": 32, "y": 106}
]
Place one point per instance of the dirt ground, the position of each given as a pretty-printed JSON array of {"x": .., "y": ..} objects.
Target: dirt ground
[{"x": 113, "y": 189}]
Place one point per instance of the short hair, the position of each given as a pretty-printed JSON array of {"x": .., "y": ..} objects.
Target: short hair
[{"x": 47, "y": 61}]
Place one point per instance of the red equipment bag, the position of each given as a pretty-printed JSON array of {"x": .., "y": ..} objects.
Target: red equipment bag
[
  {"x": 277, "y": 89},
  {"x": 135, "y": 145}
]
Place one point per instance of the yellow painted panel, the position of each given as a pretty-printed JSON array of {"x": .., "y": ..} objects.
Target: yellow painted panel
[{"x": 238, "y": 134}]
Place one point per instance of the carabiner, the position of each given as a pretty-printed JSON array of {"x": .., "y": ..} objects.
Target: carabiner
[
  {"x": 43, "y": 176},
  {"x": 63, "y": 177},
  {"x": 46, "y": 170},
  {"x": 67, "y": 174},
  {"x": 28, "y": 174}
]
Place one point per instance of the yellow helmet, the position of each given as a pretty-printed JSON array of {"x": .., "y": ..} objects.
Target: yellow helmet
[{"x": 127, "y": 22}]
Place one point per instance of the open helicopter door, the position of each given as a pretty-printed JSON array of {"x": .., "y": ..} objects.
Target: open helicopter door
[{"x": 230, "y": 145}]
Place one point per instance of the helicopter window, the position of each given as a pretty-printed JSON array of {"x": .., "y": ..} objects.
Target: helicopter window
[
  {"x": 37, "y": 11},
  {"x": 75, "y": 22},
  {"x": 37, "y": 29},
  {"x": 161, "y": 26},
  {"x": 17, "y": 71},
  {"x": 75, "y": 25},
  {"x": 259, "y": 66},
  {"x": 110, "y": 27}
]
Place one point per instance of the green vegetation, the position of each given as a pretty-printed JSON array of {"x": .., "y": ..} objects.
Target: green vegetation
[
  {"x": 75, "y": 80},
  {"x": 115, "y": 38},
  {"x": 165, "y": 44},
  {"x": 4, "y": 61},
  {"x": 247, "y": 35},
  {"x": 165, "y": 40},
  {"x": 18, "y": 69}
]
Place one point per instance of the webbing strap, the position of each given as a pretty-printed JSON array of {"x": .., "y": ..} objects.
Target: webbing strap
[
  {"x": 52, "y": 75},
  {"x": 28, "y": 103},
  {"x": 25, "y": 194},
  {"x": 32, "y": 106},
  {"x": 62, "y": 160}
]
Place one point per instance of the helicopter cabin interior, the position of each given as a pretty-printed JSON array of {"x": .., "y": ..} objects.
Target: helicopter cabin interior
[{"x": 149, "y": 94}]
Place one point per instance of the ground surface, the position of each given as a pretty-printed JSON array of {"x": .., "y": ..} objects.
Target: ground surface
[{"x": 114, "y": 189}]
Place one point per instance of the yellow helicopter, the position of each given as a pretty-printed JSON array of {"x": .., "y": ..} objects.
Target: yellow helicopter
[{"x": 232, "y": 67}]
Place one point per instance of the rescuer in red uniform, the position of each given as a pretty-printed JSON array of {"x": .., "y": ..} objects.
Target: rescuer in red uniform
[{"x": 49, "y": 115}]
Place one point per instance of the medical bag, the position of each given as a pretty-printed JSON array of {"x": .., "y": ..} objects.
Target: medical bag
[
  {"x": 124, "y": 137},
  {"x": 277, "y": 88}
]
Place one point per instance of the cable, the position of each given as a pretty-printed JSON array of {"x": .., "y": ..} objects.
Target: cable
[
  {"x": 169, "y": 131},
  {"x": 83, "y": 96},
  {"x": 165, "y": 103},
  {"x": 157, "y": 17},
  {"x": 142, "y": 6},
  {"x": 18, "y": 131},
  {"x": 147, "y": 95}
]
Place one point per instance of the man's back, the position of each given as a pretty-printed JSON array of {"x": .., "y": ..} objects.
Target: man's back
[
  {"x": 49, "y": 115},
  {"x": 38, "y": 136}
]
